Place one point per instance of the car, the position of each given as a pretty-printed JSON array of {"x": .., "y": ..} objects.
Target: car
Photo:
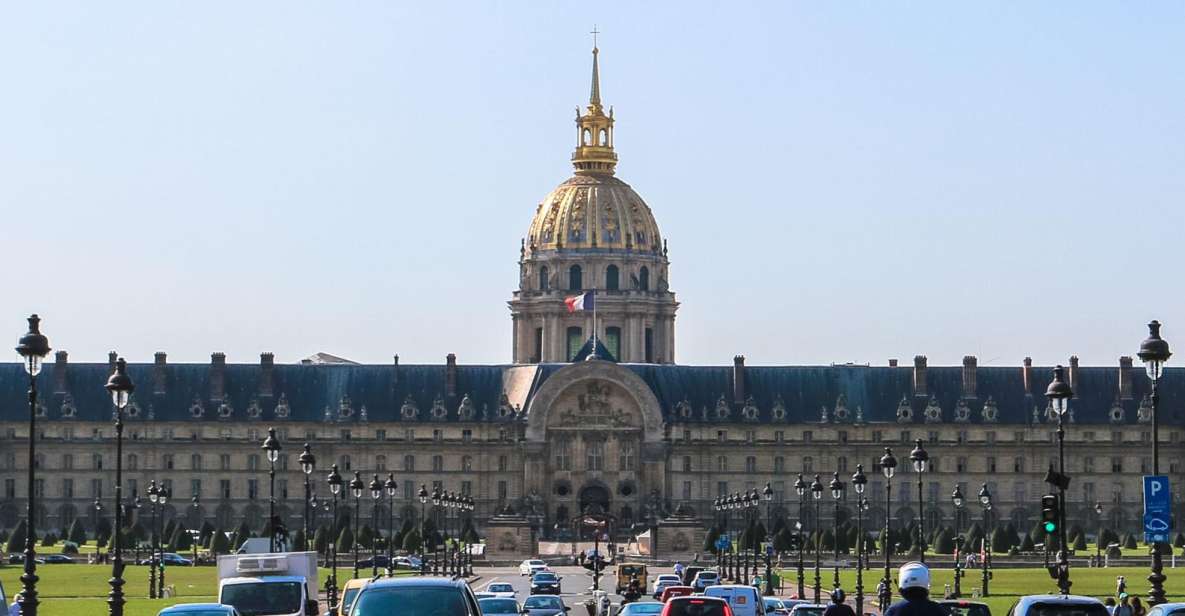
[
  {"x": 407, "y": 562},
  {"x": 176, "y": 560},
  {"x": 744, "y": 600},
  {"x": 704, "y": 579},
  {"x": 775, "y": 607},
  {"x": 545, "y": 583},
  {"x": 807, "y": 609},
  {"x": 499, "y": 606},
  {"x": 58, "y": 559},
  {"x": 628, "y": 571},
  {"x": 504, "y": 590},
  {"x": 664, "y": 580},
  {"x": 959, "y": 607},
  {"x": 1057, "y": 605},
  {"x": 675, "y": 591},
  {"x": 349, "y": 592},
  {"x": 1168, "y": 609},
  {"x": 641, "y": 608},
  {"x": 417, "y": 595},
  {"x": 379, "y": 561},
  {"x": 696, "y": 605},
  {"x": 689, "y": 574},
  {"x": 199, "y": 609},
  {"x": 540, "y": 605},
  {"x": 530, "y": 567}
]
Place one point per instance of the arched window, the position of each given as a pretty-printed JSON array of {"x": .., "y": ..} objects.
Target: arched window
[
  {"x": 544, "y": 283},
  {"x": 613, "y": 341},
  {"x": 644, "y": 278},
  {"x": 611, "y": 278},
  {"x": 604, "y": 137},
  {"x": 575, "y": 278},
  {"x": 587, "y": 137},
  {"x": 575, "y": 341}
]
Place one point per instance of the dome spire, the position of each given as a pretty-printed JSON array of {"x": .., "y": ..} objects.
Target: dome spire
[
  {"x": 594, "y": 130},
  {"x": 594, "y": 96}
]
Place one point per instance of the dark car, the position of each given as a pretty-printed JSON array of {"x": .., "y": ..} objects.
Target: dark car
[
  {"x": 544, "y": 606},
  {"x": 545, "y": 583},
  {"x": 58, "y": 559},
  {"x": 379, "y": 561},
  {"x": 417, "y": 595},
  {"x": 958, "y": 607},
  {"x": 176, "y": 560}
]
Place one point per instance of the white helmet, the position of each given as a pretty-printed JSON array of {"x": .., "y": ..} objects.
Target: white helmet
[{"x": 913, "y": 575}]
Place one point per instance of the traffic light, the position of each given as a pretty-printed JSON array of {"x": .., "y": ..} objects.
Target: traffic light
[{"x": 1049, "y": 513}]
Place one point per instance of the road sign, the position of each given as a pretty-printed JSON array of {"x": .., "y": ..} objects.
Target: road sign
[
  {"x": 769, "y": 550},
  {"x": 722, "y": 542},
  {"x": 1156, "y": 495}
]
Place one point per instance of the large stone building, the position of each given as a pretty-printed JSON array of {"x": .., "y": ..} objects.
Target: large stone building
[{"x": 550, "y": 432}]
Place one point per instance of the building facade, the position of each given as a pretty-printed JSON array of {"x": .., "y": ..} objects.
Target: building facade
[{"x": 553, "y": 431}]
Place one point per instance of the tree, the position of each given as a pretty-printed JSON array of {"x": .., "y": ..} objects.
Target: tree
[
  {"x": 1130, "y": 542},
  {"x": 345, "y": 541},
  {"x": 411, "y": 540},
  {"x": 1073, "y": 533},
  {"x": 76, "y": 532},
  {"x": 1001, "y": 541},
  {"x": 469, "y": 533},
  {"x": 1179, "y": 540},
  {"x": 1026, "y": 544},
  {"x": 710, "y": 538},
  {"x": 945, "y": 542},
  {"x": 49, "y": 540},
  {"x": 784, "y": 540},
  {"x": 828, "y": 540},
  {"x": 16, "y": 541},
  {"x": 972, "y": 538},
  {"x": 103, "y": 532},
  {"x": 219, "y": 543},
  {"x": 321, "y": 540},
  {"x": 298, "y": 539},
  {"x": 1079, "y": 542},
  {"x": 205, "y": 531},
  {"x": 1013, "y": 536},
  {"x": 240, "y": 536}
]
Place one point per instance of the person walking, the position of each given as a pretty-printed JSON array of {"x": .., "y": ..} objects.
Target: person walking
[
  {"x": 837, "y": 607},
  {"x": 913, "y": 580},
  {"x": 1109, "y": 603},
  {"x": 1125, "y": 607},
  {"x": 15, "y": 608},
  {"x": 1138, "y": 608}
]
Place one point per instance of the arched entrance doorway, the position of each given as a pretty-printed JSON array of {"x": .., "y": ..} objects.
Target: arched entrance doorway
[{"x": 594, "y": 497}]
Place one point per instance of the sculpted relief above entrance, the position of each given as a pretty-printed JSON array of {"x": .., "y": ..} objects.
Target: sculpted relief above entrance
[{"x": 595, "y": 405}]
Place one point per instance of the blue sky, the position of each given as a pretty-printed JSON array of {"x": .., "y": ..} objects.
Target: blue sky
[{"x": 838, "y": 181}]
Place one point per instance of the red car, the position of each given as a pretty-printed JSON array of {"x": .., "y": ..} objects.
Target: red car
[
  {"x": 671, "y": 592},
  {"x": 696, "y": 605}
]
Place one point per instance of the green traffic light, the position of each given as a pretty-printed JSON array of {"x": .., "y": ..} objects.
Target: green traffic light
[{"x": 1050, "y": 527}]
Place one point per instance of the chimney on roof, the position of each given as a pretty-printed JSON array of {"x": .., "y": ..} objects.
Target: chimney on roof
[
  {"x": 267, "y": 363},
  {"x": 919, "y": 376},
  {"x": 970, "y": 364},
  {"x": 61, "y": 360},
  {"x": 738, "y": 379},
  {"x": 893, "y": 362},
  {"x": 159, "y": 361},
  {"x": 1125, "y": 377},
  {"x": 450, "y": 375},
  {"x": 1026, "y": 373},
  {"x": 1074, "y": 382},
  {"x": 112, "y": 356},
  {"x": 217, "y": 377}
]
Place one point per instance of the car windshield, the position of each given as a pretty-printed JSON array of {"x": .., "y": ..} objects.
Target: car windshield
[
  {"x": 534, "y": 563},
  {"x": 706, "y": 574},
  {"x": 538, "y": 602},
  {"x": 498, "y": 606},
  {"x": 500, "y": 588},
  {"x": 411, "y": 601},
  {"x": 772, "y": 603},
  {"x": 807, "y": 611},
  {"x": 348, "y": 599},
  {"x": 643, "y": 608},
  {"x": 696, "y": 607},
  {"x": 630, "y": 570},
  {"x": 264, "y": 598},
  {"x": 544, "y": 577},
  {"x": 1062, "y": 609},
  {"x": 970, "y": 609}
]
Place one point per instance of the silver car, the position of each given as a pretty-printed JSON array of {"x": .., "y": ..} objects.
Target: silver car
[{"x": 498, "y": 606}]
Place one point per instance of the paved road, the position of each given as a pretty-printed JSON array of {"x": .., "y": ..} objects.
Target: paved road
[{"x": 575, "y": 587}]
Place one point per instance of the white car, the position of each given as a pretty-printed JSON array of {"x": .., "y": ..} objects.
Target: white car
[
  {"x": 664, "y": 580},
  {"x": 531, "y": 567},
  {"x": 503, "y": 590}
]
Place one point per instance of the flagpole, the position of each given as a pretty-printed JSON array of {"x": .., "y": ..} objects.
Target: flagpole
[{"x": 594, "y": 332}]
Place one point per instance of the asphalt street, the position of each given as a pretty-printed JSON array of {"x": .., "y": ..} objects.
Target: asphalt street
[{"x": 575, "y": 586}]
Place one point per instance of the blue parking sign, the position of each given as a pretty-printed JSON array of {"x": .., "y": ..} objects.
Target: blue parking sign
[{"x": 1156, "y": 494}]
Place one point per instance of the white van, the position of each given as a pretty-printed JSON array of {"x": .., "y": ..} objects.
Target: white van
[{"x": 744, "y": 600}]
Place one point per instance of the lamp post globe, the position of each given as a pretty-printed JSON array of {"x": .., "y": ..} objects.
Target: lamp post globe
[
  {"x": 1154, "y": 352},
  {"x": 308, "y": 464},
  {"x": 800, "y": 487},
  {"x": 120, "y": 387},
  {"x": 334, "y": 480},
  {"x": 356, "y": 488},
  {"x": 32, "y": 349},
  {"x": 271, "y": 445},
  {"x": 956, "y": 498},
  {"x": 837, "y": 495},
  {"x": 985, "y": 500}
]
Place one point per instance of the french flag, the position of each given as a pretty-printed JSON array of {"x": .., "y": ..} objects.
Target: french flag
[{"x": 584, "y": 301}]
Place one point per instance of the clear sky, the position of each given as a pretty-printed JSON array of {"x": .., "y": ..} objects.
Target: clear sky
[{"x": 839, "y": 181}]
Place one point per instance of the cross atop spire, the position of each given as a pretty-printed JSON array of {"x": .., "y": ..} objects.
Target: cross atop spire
[{"x": 595, "y": 32}]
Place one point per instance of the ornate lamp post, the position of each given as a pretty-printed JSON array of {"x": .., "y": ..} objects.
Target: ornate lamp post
[
  {"x": 376, "y": 494},
  {"x": 120, "y": 387},
  {"x": 889, "y": 468},
  {"x": 391, "y": 487},
  {"x": 752, "y": 502},
  {"x": 837, "y": 494},
  {"x": 195, "y": 502},
  {"x": 1154, "y": 352},
  {"x": 335, "y": 487},
  {"x": 163, "y": 496},
  {"x": 153, "y": 496},
  {"x": 817, "y": 494},
  {"x": 768, "y": 493},
  {"x": 33, "y": 347},
  {"x": 717, "y": 507},
  {"x": 734, "y": 555},
  {"x": 98, "y": 516},
  {"x": 423, "y": 497},
  {"x": 985, "y": 499},
  {"x": 1098, "y": 541},
  {"x": 356, "y": 487},
  {"x": 859, "y": 481},
  {"x": 921, "y": 461},
  {"x": 956, "y": 498},
  {"x": 1059, "y": 394},
  {"x": 437, "y": 498},
  {"x": 308, "y": 464},
  {"x": 800, "y": 487},
  {"x": 271, "y": 445}
]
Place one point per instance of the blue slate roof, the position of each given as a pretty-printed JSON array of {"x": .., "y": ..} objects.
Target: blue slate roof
[{"x": 803, "y": 391}]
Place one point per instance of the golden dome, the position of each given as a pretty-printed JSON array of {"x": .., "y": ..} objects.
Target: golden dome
[{"x": 594, "y": 211}]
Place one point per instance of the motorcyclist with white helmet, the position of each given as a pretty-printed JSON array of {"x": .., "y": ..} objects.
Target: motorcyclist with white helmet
[
  {"x": 914, "y": 581},
  {"x": 838, "y": 607}
]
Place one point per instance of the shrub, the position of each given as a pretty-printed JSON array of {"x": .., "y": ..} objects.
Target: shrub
[
  {"x": 345, "y": 541},
  {"x": 1130, "y": 542},
  {"x": 365, "y": 537},
  {"x": 16, "y": 541},
  {"x": 70, "y": 548},
  {"x": 76, "y": 533},
  {"x": 1179, "y": 540},
  {"x": 945, "y": 542},
  {"x": 1001, "y": 541},
  {"x": 1026, "y": 544},
  {"x": 411, "y": 540},
  {"x": 1079, "y": 542},
  {"x": 321, "y": 540},
  {"x": 219, "y": 543}
]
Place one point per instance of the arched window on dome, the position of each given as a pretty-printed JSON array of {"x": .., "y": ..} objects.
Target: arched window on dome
[
  {"x": 575, "y": 278},
  {"x": 644, "y": 278},
  {"x": 544, "y": 283},
  {"x": 575, "y": 341},
  {"x": 611, "y": 278},
  {"x": 604, "y": 137},
  {"x": 586, "y": 138}
]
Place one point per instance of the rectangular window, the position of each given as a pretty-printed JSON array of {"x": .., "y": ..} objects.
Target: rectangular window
[
  {"x": 503, "y": 463},
  {"x": 467, "y": 463},
  {"x": 467, "y": 435},
  {"x": 721, "y": 488},
  {"x": 991, "y": 464},
  {"x": 595, "y": 455},
  {"x": 779, "y": 464},
  {"x": 1088, "y": 436},
  {"x": 807, "y": 436},
  {"x": 686, "y": 464},
  {"x": 612, "y": 341},
  {"x": 195, "y": 487},
  {"x": 750, "y": 436},
  {"x": 1018, "y": 437},
  {"x": 67, "y": 488},
  {"x": 39, "y": 488},
  {"x": 10, "y": 488},
  {"x": 563, "y": 455},
  {"x": 1145, "y": 466},
  {"x": 380, "y": 435},
  {"x": 877, "y": 435},
  {"x": 808, "y": 464},
  {"x": 409, "y": 489},
  {"x": 1116, "y": 465},
  {"x": 932, "y": 436},
  {"x": 961, "y": 437},
  {"x": 843, "y": 436},
  {"x": 438, "y": 435},
  {"x": 224, "y": 461},
  {"x": 648, "y": 342},
  {"x": 687, "y": 436},
  {"x": 751, "y": 464},
  {"x": 68, "y": 462},
  {"x": 779, "y": 436},
  {"x": 224, "y": 488},
  {"x": 1018, "y": 465},
  {"x": 97, "y": 461},
  {"x": 991, "y": 437},
  {"x": 96, "y": 488},
  {"x": 437, "y": 464},
  {"x": 960, "y": 465},
  {"x": 131, "y": 490},
  {"x": 168, "y": 461},
  {"x": 409, "y": 434},
  {"x": 252, "y": 489},
  {"x": 466, "y": 487},
  {"x": 686, "y": 490},
  {"x": 502, "y": 491},
  {"x": 628, "y": 456},
  {"x": 282, "y": 488},
  {"x": 575, "y": 342},
  {"x": 722, "y": 436},
  {"x": 722, "y": 464},
  {"x": 537, "y": 356},
  {"x": 906, "y": 437},
  {"x": 841, "y": 464}
]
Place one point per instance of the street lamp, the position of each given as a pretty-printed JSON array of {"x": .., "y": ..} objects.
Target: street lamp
[
  {"x": 120, "y": 387},
  {"x": 889, "y": 468},
  {"x": 837, "y": 494},
  {"x": 1098, "y": 540},
  {"x": 308, "y": 464},
  {"x": 768, "y": 493},
  {"x": 356, "y": 487},
  {"x": 800, "y": 486},
  {"x": 1154, "y": 352},
  {"x": 376, "y": 493},
  {"x": 921, "y": 460},
  {"x": 195, "y": 502},
  {"x": 859, "y": 481},
  {"x": 437, "y": 497},
  {"x": 985, "y": 499},
  {"x": 1059, "y": 394},
  {"x": 32, "y": 347},
  {"x": 422, "y": 495},
  {"x": 153, "y": 497},
  {"x": 271, "y": 445},
  {"x": 817, "y": 494},
  {"x": 956, "y": 498},
  {"x": 391, "y": 487},
  {"x": 163, "y": 497},
  {"x": 335, "y": 487}
]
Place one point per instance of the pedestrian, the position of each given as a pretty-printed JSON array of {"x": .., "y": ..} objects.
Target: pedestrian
[
  {"x": 1138, "y": 608},
  {"x": 1125, "y": 607},
  {"x": 15, "y": 608},
  {"x": 913, "y": 580},
  {"x": 1109, "y": 603},
  {"x": 837, "y": 606}
]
